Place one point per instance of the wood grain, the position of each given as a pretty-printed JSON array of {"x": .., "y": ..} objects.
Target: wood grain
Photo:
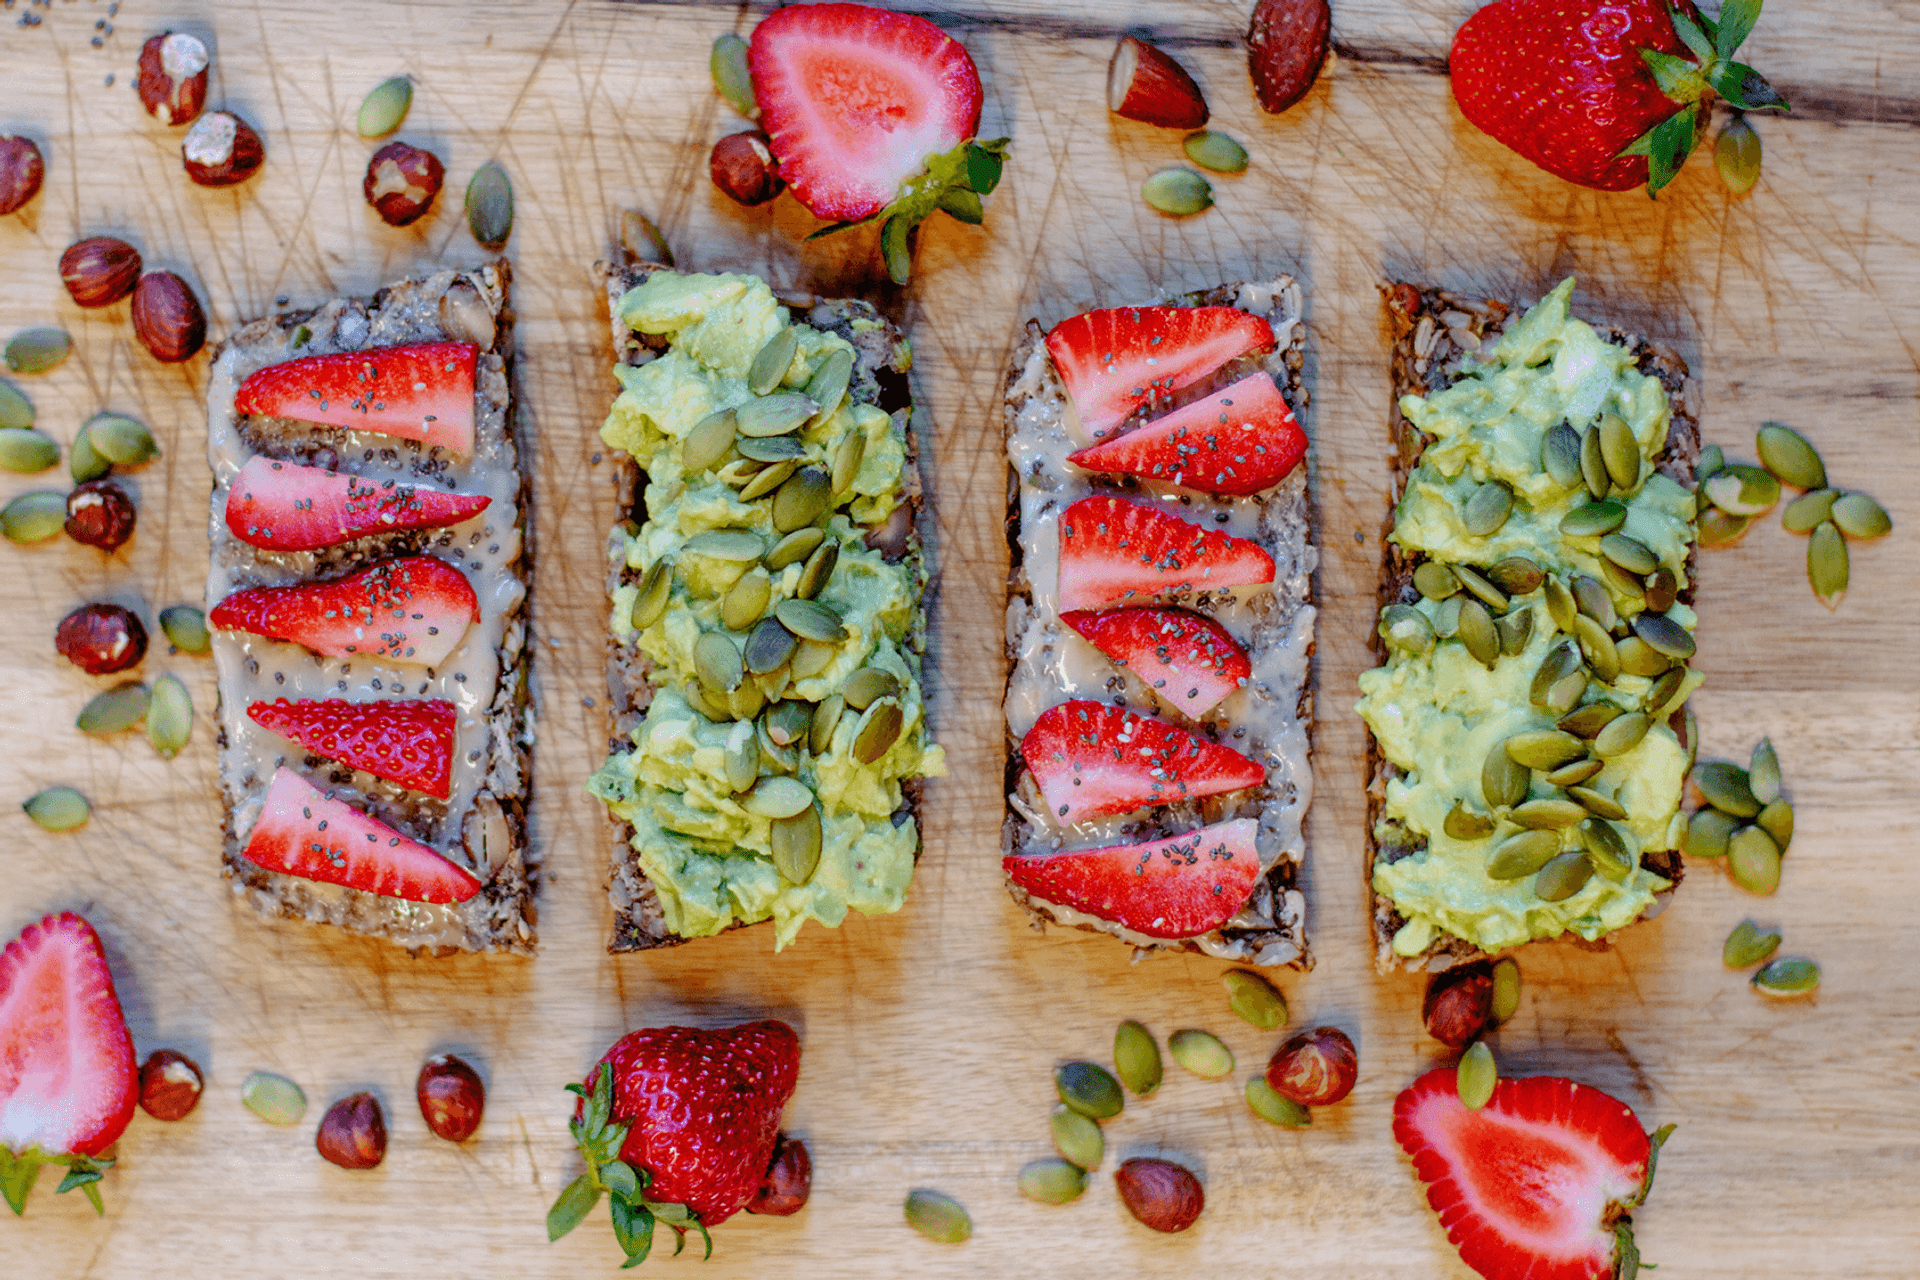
[{"x": 930, "y": 1034}]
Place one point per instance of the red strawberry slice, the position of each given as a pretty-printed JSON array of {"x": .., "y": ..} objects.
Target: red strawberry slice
[
  {"x": 1190, "y": 661},
  {"x": 1115, "y": 361},
  {"x": 1238, "y": 442},
  {"x": 303, "y": 832},
  {"x": 410, "y": 743},
  {"x": 856, "y": 99},
  {"x": 1112, "y": 550},
  {"x": 422, "y": 392},
  {"x": 1091, "y": 759},
  {"x": 1179, "y": 887},
  {"x": 408, "y": 611},
  {"x": 284, "y": 506},
  {"x": 67, "y": 1077},
  {"x": 1537, "y": 1183}
]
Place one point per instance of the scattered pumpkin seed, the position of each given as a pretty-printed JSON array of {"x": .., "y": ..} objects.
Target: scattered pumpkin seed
[
  {"x": 1620, "y": 452},
  {"x": 58, "y": 808},
  {"x": 716, "y": 659},
  {"x": 1503, "y": 779},
  {"x": 847, "y": 457},
  {"x": 382, "y": 110},
  {"x": 773, "y": 480},
  {"x": 1788, "y": 976},
  {"x": 121, "y": 440},
  {"x": 37, "y": 350},
  {"x": 1638, "y": 658},
  {"x": 746, "y": 600},
  {"x": 1055, "y": 1181},
  {"x": 868, "y": 685},
  {"x": 1630, "y": 554},
  {"x": 1544, "y": 749},
  {"x": 1506, "y": 990},
  {"x": 1462, "y": 823},
  {"x": 1563, "y": 876},
  {"x": 1561, "y": 606},
  {"x": 1808, "y": 510},
  {"x": 1591, "y": 597},
  {"x": 1763, "y": 773},
  {"x": 1585, "y": 722},
  {"x": 1521, "y": 855},
  {"x": 709, "y": 441},
  {"x": 1712, "y": 459},
  {"x": 1136, "y": 1057},
  {"x": 26, "y": 451},
  {"x": 1488, "y": 509},
  {"x": 770, "y": 449},
  {"x": 1600, "y": 806},
  {"x": 796, "y": 845},
  {"x": 1571, "y": 775},
  {"x": 826, "y": 718},
  {"x": 1202, "y": 1053},
  {"x": 1630, "y": 586},
  {"x": 810, "y": 620},
  {"x": 1477, "y": 586},
  {"x": 1446, "y": 617},
  {"x": 1777, "y": 821},
  {"x": 1407, "y": 629},
  {"x": 774, "y": 685},
  {"x": 1077, "y": 1138},
  {"x": 1088, "y": 1088},
  {"x": 1434, "y": 580},
  {"x": 1718, "y": 528},
  {"x": 1177, "y": 192},
  {"x": 1550, "y": 814},
  {"x": 1561, "y": 661},
  {"x": 742, "y": 759},
  {"x": 789, "y": 722},
  {"x": 811, "y": 658},
  {"x": 1621, "y": 735},
  {"x": 1787, "y": 454},
  {"x": 640, "y": 238},
  {"x": 1514, "y": 630},
  {"x": 1606, "y": 850},
  {"x": 1742, "y": 490},
  {"x": 937, "y": 1216},
  {"x": 490, "y": 205},
  {"x": 1215, "y": 151},
  {"x": 1275, "y": 1109},
  {"x": 1753, "y": 860},
  {"x": 1736, "y": 155},
  {"x": 275, "y": 1099},
  {"x": 169, "y": 716},
  {"x": 1665, "y": 689},
  {"x": 795, "y": 547},
  {"x": 1748, "y": 945},
  {"x": 736, "y": 545},
  {"x": 1476, "y": 1076},
  {"x": 34, "y": 517},
  {"x": 1726, "y": 787},
  {"x": 650, "y": 600},
  {"x": 818, "y": 570},
  {"x": 778, "y": 798},
  {"x": 1567, "y": 692},
  {"x": 738, "y": 473},
  {"x": 1861, "y": 517},
  {"x": 1664, "y": 635},
  {"x": 828, "y": 385},
  {"x": 774, "y": 415},
  {"x": 773, "y": 360},
  {"x": 1598, "y": 648},
  {"x": 1560, "y": 454},
  {"x": 1708, "y": 831},
  {"x": 1827, "y": 564},
  {"x": 802, "y": 499},
  {"x": 698, "y": 700},
  {"x": 879, "y": 732},
  {"x": 1254, "y": 1000},
  {"x": 1593, "y": 465},
  {"x": 113, "y": 710},
  {"x": 16, "y": 411},
  {"x": 1516, "y": 576},
  {"x": 185, "y": 628},
  {"x": 1478, "y": 635},
  {"x": 728, "y": 63},
  {"x": 1662, "y": 589},
  {"x": 769, "y": 646}
]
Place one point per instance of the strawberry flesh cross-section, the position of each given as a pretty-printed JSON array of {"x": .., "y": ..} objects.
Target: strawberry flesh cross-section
[
  {"x": 1091, "y": 760},
  {"x": 404, "y": 741},
  {"x": 1112, "y": 550},
  {"x": 304, "y": 832},
  {"x": 420, "y": 392},
  {"x": 1179, "y": 887},
  {"x": 1237, "y": 442},
  {"x": 1115, "y": 361},
  {"x": 284, "y": 506},
  {"x": 408, "y": 611},
  {"x": 1190, "y": 662}
]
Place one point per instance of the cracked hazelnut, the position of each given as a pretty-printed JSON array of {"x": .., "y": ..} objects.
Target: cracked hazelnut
[
  {"x": 1160, "y": 1193},
  {"x": 1459, "y": 1003},
  {"x": 170, "y": 1085},
  {"x": 221, "y": 150},
  {"x": 401, "y": 182},
  {"x": 353, "y": 1133},
  {"x": 167, "y": 317},
  {"x": 788, "y": 1182},
  {"x": 101, "y": 638},
  {"x": 452, "y": 1098},
  {"x": 744, "y": 169},
  {"x": 21, "y": 171},
  {"x": 1315, "y": 1068},
  {"x": 100, "y": 270},
  {"x": 173, "y": 77},
  {"x": 99, "y": 514}
]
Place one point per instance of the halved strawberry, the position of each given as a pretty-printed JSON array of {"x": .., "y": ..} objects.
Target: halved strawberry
[
  {"x": 1537, "y": 1183},
  {"x": 1179, "y": 887},
  {"x": 410, "y": 611},
  {"x": 421, "y": 392},
  {"x": 1190, "y": 661},
  {"x": 410, "y": 742},
  {"x": 1238, "y": 442},
  {"x": 1113, "y": 550},
  {"x": 1091, "y": 759},
  {"x": 67, "y": 1077},
  {"x": 304, "y": 832},
  {"x": 1114, "y": 361},
  {"x": 284, "y": 506}
]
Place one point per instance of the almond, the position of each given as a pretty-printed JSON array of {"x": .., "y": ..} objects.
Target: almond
[
  {"x": 1286, "y": 44},
  {"x": 1145, "y": 84},
  {"x": 100, "y": 270}
]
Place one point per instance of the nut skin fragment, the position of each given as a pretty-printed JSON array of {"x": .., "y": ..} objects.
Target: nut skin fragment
[
  {"x": 353, "y": 1133},
  {"x": 1287, "y": 43},
  {"x": 1315, "y": 1068},
  {"x": 401, "y": 183},
  {"x": 170, "y": 1085},
  {"x": 452, "y": 1097},
  {"x": 1160, "y": 1193},
  {"x": 101, "y": 639},
  {"x": 173, "y": 77},
  {"x": 21, "y": 172},
  {"x": 1459, "y": 1003},
  {"x": 221, "y": 150},
  {"x": 99, "y": 514},
  {"x": 743, "y": 168},
  {"x": 167, "y": 318},
  {"x": 788, "y": 1182},
  {"x": 100, "y": 270}
]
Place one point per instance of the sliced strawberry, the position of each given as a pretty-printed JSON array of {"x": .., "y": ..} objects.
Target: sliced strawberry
[
  {"x": 410, "y": 743},
  {"x": 284, "y": 506},
  {"x": 1538, "y": 1182},
  {"x": 422, "y": 392},
  {"x": 67, "y": 1077},
  {"x": 1115, "y": 361},
  {"x": 1190, "y": 661},
  {"x": 1112, "y": 550},
  {"x": 303, "y": 832},
  {"x": 408, "y": 611},
  {"x": 1091, "y": 759},
  {"x": 1179, "y": 887},
  {"x": 1237, "y": 442}
]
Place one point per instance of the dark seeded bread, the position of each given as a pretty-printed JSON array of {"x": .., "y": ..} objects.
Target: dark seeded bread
[
  {"x": 487, "y": 834},
  {"x": 880, "y": 378},
  {"x": 1428, "y": 326},
  {"x": 1271, "y": 928}
]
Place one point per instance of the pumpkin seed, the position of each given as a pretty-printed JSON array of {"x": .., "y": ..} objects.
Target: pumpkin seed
[
  {"x": 1598, "y": 649},
  {"x": 1544, "y": 749},
  {"x": 1606, "y": 850},
  {"x": 382, "y": 110},
  {"x": 37, "y": 350},
  {"x": 1620, "y": 451},
  {"x": 1717, "y": 527},
  {"x": 740, "y": 472},
  {"x": 708, "y": 442},
  {"x": 1477, "y": 633},
  {"x": 121, "y": 440},
  {"x": 1628, "y": 585},
  {"x": 811, "y": 658},
  {"x": 778, "y": 798},
  {"x": 794, "y": 548},
  {"x": 1563, "y": 877},
  {"x": 771, "y": 449},
  {"x": 185, "y": 628},
  {"x": 1791, "y": 976},
  {"x": 25, "y": 450},
  {"x": 847, "y": 457},
  {"x": 1664, "y": 635},
  {"x": 1202, "y": 1053},
  {"x": 802, "y": 499},
  {"x": 1600, "y": 806},
  {"x": 1407, "y": 629},
  {"x": 1136, "y": 1057},
  {"x": 767, "y": 481},
  {"x": 796, "y": 845},
  {"x": 16, "y": 411},
  {"x": 1561, "y": 606},
  {"x": 1561, "y": 661},
  {"x": 1592, "y": 600},
  {"x": 1763, "y": 773},
  {"x": 1088, "y": 1088},
  {"x": 774, "y": 415},
  {"x": 1476, "y": 1076},
  {"x": 1861, "y": 517},
  {"x": 771, "y": 362},
  {"x": 1662, "y": 589},
  {"x": 1503, "y": 780},
  {"x": 1808, "y": 510},
  {"x": 34, "y": 517},
  {"x": 1519, "y": 856},
  {"x": 1488, "y": 509},
  {"x": 113, "y": 710},
  {"x": 1215, "y": 151},
  {"x": 1177, "y": 192},
  {"x": 1712, "y": 459},
  {"x": 819, "y": 569},
  {"x": 1547, "y": 815},
  {"x": 1708, "y": 831},
  {"x": 698, "y": 700},
  {"x": 1560, "y": 454},
  {"x": 743, "y": 604},
  {"x": 742, "y": 760},
  {"x": 1275, "y": 1109},
  {"x": 716, "y": 659},
  {"x": 1777, "y": 821},
  {"x": 58, "y": 808},
  {"x": 1742, "y": 490},
  {"x": 1736, "y": 155},
  {"x": 1748, "y": 945},
  {"x": 1753, "y": 860},
  {"x": 1593, "y": 465},
  {"x": 1638, "y": 658},
  {"x": 868, "y": 685},
  {"x": 880, "y": 731},
  {"x": 1434, "y": 580},
  {"x": 1589, "y": 720},
  {"x": 769, "y": 645},
  {"x": 1572, "y": 775},
  {"x": 937, "y": 1216},
  {"x": 1506, "y": 990},
  {"x": 1726, "y": 788},
  {"x": 275, "y": 1099},
  {"x": 650, "y": 600},
  {"x": 1516, "y": 575},
  {"x": 1567, "y": 692},
  {"x": 828, "y": 385},
  {"x": 788, "y": 722},
  {"x": 826, "y": 718},
  {"x": 1664, "y": 691},
  {"x": 1462, "y": 823},
  {"x": 1254, "y": 999},
  {"x": 736, "y": 545},
  {"x": 1622, "y": 735},
  {"x": 1515, "y": 630},
  {"x": 169, "y": 716},
  {"x": 490, "y": 205},
  {"x": 1054, "y": 1181},
  {"x": 728, "y": 65},
  {"x": 1630, "y": 554},
  {"x": 1787, "y": 454},
  {"x": 1477, "y": 586},
  {"x": 1827, "y": 564},
  {"x": 810, "y": 620},
  {"x": 774, "y": 683}
]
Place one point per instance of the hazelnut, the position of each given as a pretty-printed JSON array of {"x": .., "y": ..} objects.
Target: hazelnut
[
  {"x": 221, "y": 150},
  {"x": 99, "y": 514},
  {"x": 1160, "y": 1193},
  {"x": 21, "y": 171},
  {"x": 789, "y": 1179},
  {"x": 173, "y": 77},
  {"x": 100, "y": 270},
  {"x": 1459, "y": 1003},
  {"x": 1315, "y": 1068},
  {"x": 402, "y": 182},
  {"x": 451, "y": 1097},
  {"x": 744, "y": 169},
  {"x": 101, "y": 638},
  {"x": 353, "y": 1133},
  {"x": 167, "y": 317},
  {"x": 1407, "y": 298},
  {"x": 169, "y": 1085}
]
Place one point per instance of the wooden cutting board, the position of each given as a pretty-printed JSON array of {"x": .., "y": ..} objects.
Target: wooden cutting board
[{"x": 930, "y": 1035}]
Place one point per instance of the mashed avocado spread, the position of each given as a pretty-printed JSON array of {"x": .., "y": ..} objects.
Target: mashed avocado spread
[
  {"x": 1526, "y": 694},
  {"x": 765, "y": 778}
]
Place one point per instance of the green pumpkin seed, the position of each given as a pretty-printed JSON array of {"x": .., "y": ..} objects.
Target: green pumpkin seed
[
  {"x": 169, "y": 716},
  {"x": 828, "y": 385},
  {"x": 1254, "y": 999},
  {"x": 716, "y": 659},
  {"x": 1629, "y": 553},
  {"x": 1179, "y": 193},
  {"x": 121, "y": 440},
  {"x": 1628, "y": 585},
  {"x": 811, "y": 658},
  {"x": 1763, "y": 773},
  {"x": 1052, "y": 1181},
  {"x": 1606, "y": 851},
  {"x": 736, "y": 545},
  {"x": 774, "y": 683},
  {"x": 1589, "y": 720},
  {"x": 1516, "y": 575},
  {"x": 1662, "y": 589},
  {"x": 1446, "y": 617},
  {"x": 1484, "y": 591},
  {"x": 1753, "y": 860},
  {"x": 778, "y": 798},
  {"x": 490, "y": 205},
  {"x": 868, "y": 685},
  {"x": 1726, "y": 788},
  {"x": 1593, "y": 601},
  {"x": 1593, "y": 465},
  {"x": 1563, "y": 877},
  {"x": 1547, "y": 815},
  {"x": 1808, "y": 510},
  {"x": 1777, "y": 821},
  {"x": 1515, "y": 630},
  {"x": 698, "y": 700},
  {"x": 1712, "y": 459},
  {"x": 1476, "y": 1076},
  {"x": 1827, "y": 564},
  {"x": 275, "y": 1099},
  {"x": 113, "y": 710},
  {"x": 771, "y": 449},
  {"x": 1560, "y": 454},
  {"x": 58, "y": 808},
  {"x": 1717, "y": 528},
  {"x": 937, "y": 1216},
  {"x": 1748, "y": 945},
  {"x": 1136, "y": 1057},
  {"x": 1665, "y": 689},
  {"x": 737, "y": 473},
  {"x": 810, "y": 620},
  {"x": 1708, "y": 831},
  {"x": 1790, "y": 976},
  {"x": 1600, "y": 806},
  {"x": 789, "y": 722},
  {"x": 1273, "y": 1108},
  {"x": 1519, "y": 856},
  {"x": 819, "y": 569},
  {"x": 1861, "y": 517},
  {"x": 742, "y": 759},
  {"x": 1598, "y": 649},
  {"x": 1544, "y": 749},
  {"x": 1215, "y": 151},
  {"x": 769, "y": 479},
  {"x": 802, "y": 499},
  {"x": 794, "y": 548},
  {"x": 1503, "y": 780},
  {"x": 769, "y": 645},
  {"x": 774, "y": 415},
  {"x": 1462, "y": 823},
  {"x": 1088, "y": 1088},
  {"x": 1567, "y": 692},
  {"x": 1736, "y": 155},
  {"x": 1572, "y": 775},
  {"x": 26, "y": 451},
  {"x": 16, "y": 411},
  {"x": 1561, "y": 606},
  {"x": 773, "y": 360},
  {"x": 1622, "y": 735},
  {"x": 1742, "y": 490},
  {"x": 880, "y": 731},
  {"x": 1406, "y": 629},
  {"x": 1434, "y": 580},
  {"x": 1787, "y": 454},
  {"x": 1478, "y": 634},
  {"x": 1664, "y": 635},
  {"x": 1488, "y": 509},
  {"x": 796, "y": 845},
  {"x": 650, "y": 600},
  {"x": 37, "y": 350},
  {"x": 1638, "y": 658},
  {"x": 185, "y": 628},
  {"x": 847, "y": 457},
  {"x": 708, "y": 443},
  {"x": 34, "y": 517},
  {"x": 728, "y": 64},
  {"x": 1202, "y": 1053},
  {"x": 382, "y": 110},
  {"x": 1620, "y": 451},
  {"x": 1561, "y": 661},
  {"x": 743, "y": 604},
  {"x": 1506, "y": 990},
  {"x": 826, "y": 718}
]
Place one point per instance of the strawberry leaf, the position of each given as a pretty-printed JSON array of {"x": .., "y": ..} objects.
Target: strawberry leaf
[
  {"x": 963, "y": 205},
  {"x": 1743, "y": 87},
  {"x": 1678, "y": 78},
  {"x": 573, "y": 1206},
  {"x": 618, "y": 1178},
  {"x": 1691, "y": 34},
  {"x": 1736, "y": 24},
  {"x": 600, "y": 1108},
  {"x": 972, "y": 167},
  {"x": 894, "y": 247},
  {"x": 17, "y": 1174},
  {"x": 1656, "y": 1140},
  {"x": 1666, "y": 147},
  {"x": 84, "y": 1172},
  {"x": 1626, "y": 1254},
  {"x": 984, "y": 164},
  {"x": 633, "y": 1228}
]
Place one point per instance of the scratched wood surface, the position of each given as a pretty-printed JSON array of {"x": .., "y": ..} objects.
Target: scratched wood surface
[{"x": 930, "y": 1034}]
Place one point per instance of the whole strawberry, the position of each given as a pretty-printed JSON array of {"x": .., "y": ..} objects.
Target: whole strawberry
[
  {"x": 1606, "y": 93},
  {"x": 677, "y": 1125}
]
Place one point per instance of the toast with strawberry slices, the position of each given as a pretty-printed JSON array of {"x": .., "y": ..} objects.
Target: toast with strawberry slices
[
  {"x": 367, "y": 599},
  {"x": 1160, "y": 624}
]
